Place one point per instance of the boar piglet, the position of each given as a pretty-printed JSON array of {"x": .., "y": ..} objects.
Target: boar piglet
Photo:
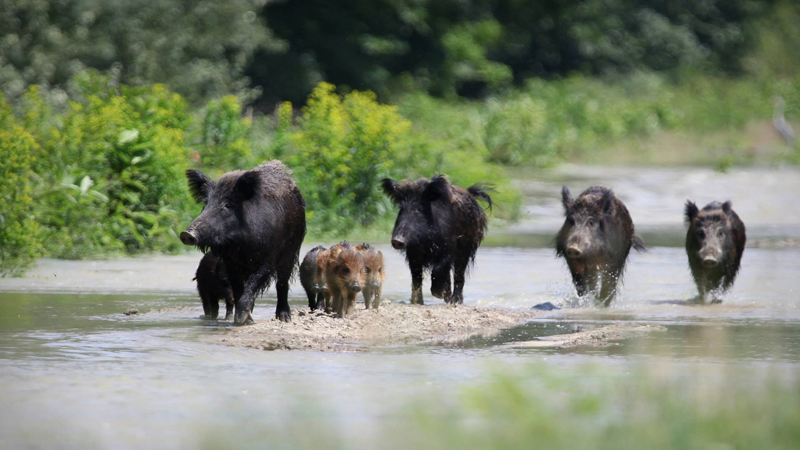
[
  {"x": 255, "y": 222},
  {"x": 595, "y": 239},
  {"x": 714, "y": 244},
  {"x": 213, "y": 286},
  {"x": 439, "y": 228},
  {"x": 312, "y": 279},
  {"x": 344, "y": 272},
  {"x": 374, "y": 275}
]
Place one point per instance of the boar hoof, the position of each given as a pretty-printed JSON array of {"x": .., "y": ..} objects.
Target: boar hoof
[{"x": 284, "y": 316}]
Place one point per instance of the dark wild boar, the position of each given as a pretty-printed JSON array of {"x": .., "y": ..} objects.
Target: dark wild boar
[
  {"x": 213, "y": 286},
  {"x": 714, "y": 244},
  {"x": 255, "y": 222},
  {"x": 312, "y": 278},
  {"x": 344, "y": 272},
  {"x": 374, "y": 275},
  {"x": 439, "y": 228},
  {"x": 595, "y": 239}
]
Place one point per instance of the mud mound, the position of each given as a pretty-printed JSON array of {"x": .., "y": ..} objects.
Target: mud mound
[{"x": 392, "y": 324}]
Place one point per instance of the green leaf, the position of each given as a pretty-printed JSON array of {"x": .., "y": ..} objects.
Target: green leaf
[{"x": 127, "y": 136}]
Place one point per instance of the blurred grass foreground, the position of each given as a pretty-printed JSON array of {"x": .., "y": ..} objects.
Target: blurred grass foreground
[
  {"x": 105, "y": 105},
  {"x": 586, "y": 406}
]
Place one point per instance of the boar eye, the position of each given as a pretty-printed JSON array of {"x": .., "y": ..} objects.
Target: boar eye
[
  {"x": 366, "y": 269},
  {"x": 720, "y": 233},
  {"x": 571, "y": 220},
  {"x": 591, "y": 221},
  {"x": 701, "y": 234},
  {"x": 380, "y": 270},
  {"x": 226, "y": 205},
  {"x": 345, "y": 270}
]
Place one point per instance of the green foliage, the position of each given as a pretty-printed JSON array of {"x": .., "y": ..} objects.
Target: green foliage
[
  {"x": 110, "y": 172},
  {"x": 599, "y": 408},
  {"x": 225, "y": 136},
  {"x": 20, "y": 240},
  {"x": 200, "y": 48},
  {"x": 551, "y": 121},
  {"x": 344, "y": 147}
]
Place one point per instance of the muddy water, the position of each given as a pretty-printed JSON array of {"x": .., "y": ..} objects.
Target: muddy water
[{"x": 77, "y": 373}]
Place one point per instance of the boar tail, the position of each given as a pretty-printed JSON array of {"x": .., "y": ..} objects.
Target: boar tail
[
  {"x": 638, "y": 244},
  {"x": 481, "y": 190}
]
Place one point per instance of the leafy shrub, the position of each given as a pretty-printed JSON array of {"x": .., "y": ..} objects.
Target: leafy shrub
[
  {"x": 224, "y": 136},
  {"x": 343, "y": 147},
  {"x": 111, "y": 172},
  {"x": 20, "y": 240}
]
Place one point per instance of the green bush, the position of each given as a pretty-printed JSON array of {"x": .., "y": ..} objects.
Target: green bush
[
  {"x": 110, "y": 171},
  {"x": 224, "y": 136},
  {"x": 20, "y": 240},
  {"x": 344, "y": 146}
]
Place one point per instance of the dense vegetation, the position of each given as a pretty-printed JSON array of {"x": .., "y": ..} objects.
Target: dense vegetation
[{"x": 106, "y": 104}]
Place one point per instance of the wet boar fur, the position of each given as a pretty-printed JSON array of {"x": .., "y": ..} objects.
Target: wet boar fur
[
  {"x": 344, "y": 272},
  {"x": 312, "y": 279},
  {"x": 374, "y": 275},
  {"x": 715, "y": 243},
  {"x": 255, "y": 221},
  {"x": 439, "y": 227},
  {"x": 213, "y": 286},
  {"x": 595, "y": 240}
]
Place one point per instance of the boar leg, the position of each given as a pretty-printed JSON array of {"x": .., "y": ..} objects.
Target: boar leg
[
  {"x": 282, "y": 311},
  {"x": 206, "y": 304},
  {"x": 229, "y": 305},
  {"x": 328, "y": 301},
  {"x": 376, "y": 300},
  {"x": 312, "y": 300},
  {"x": 608, "y": 290},
  {"x": 459, "y": 274},
  {"x": 244, "y": 305},
  {"x": 416, "y": 285},
  {"x": 350, "y": 307},
  {"x": 367, "y": 292},
  {"x": 440, "y": 282},
  {"x": 320, "y": 302},
  {"x": 213, "y": 306}
]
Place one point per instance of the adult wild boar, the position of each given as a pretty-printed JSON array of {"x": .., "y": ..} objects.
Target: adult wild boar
[
  {"x": 714, "y": 244},
  {"x": 344, "y": 272},
  {"x": 439, "y": 228},
  {"x": 595, "y": 239},
  {"x": 312, "y": 278},
  {"x": 255, "y": 221},
  {"x": 374, "y": 275},
  {"x": 213, "y": 286}
]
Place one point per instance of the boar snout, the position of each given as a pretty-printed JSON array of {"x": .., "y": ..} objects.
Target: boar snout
[
  {"x": 189, "y": 237},
  {"x": 398, "y": 243},
  {"x": 573, "y": 252},
  {"x": 355, "y": 287},
  {"x": 710, "y": 262}
]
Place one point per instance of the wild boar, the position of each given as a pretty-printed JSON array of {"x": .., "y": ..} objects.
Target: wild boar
[
  {"x": 344, "y": 272},
  {"x": 213, "y": 286},
  {"x": 255, "y": 222},
  {"x": 374, "y": 275},
  {"x": 439, "y": 228},
  {"x": 312, "y": 278},
  {"x": 715, "y": 243},
  {"x": 596, "y": 237}
]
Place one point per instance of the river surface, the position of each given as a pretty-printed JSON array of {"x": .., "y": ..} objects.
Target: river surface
[{"x": 75, "y": 372}]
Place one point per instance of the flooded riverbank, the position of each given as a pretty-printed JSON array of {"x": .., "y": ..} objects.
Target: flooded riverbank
[{"x": 75, "y": 372}]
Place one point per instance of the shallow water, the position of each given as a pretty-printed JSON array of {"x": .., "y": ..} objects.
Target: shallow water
[{"x": 75, "y": 372}]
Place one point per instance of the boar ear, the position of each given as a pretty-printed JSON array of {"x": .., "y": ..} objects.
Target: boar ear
[
  {"x": 607, "y": 201},
  {"x": 727, "y": 207},
  {"x": 247, "y": 184},
  {"x": 438, "y": 188},
  {"x": 690, "y": 211},
  {"x": 199, "y": 185},
  {"x": 566, "y": 198},
  {"x": 392, "y": 189}
]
